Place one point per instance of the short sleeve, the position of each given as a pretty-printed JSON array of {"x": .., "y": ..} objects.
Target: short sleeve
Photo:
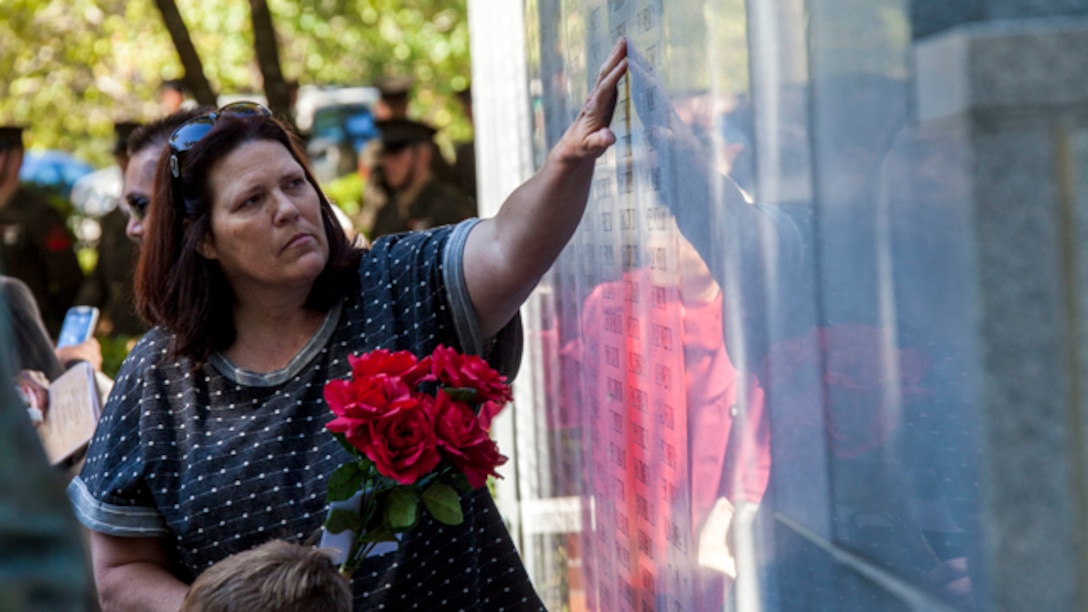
[
  {"x": 420, "y": 277},
  {"x": 111, "y": 495},
  {"x": 503, "y": 351}
]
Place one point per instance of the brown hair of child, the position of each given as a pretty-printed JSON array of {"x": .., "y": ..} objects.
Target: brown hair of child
[{"x": 277, "y": 576}]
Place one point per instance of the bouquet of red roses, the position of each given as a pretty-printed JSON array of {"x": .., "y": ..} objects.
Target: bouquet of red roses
[{"x": 418, "y": 431}]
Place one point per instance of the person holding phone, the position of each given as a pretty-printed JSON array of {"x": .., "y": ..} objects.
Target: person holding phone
[
  {"x": 34, "y": 350},
  {"x": 34, "y": 362}
]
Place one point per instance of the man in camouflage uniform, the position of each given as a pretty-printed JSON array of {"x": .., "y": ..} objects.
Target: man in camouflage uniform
[
  {"x": 392, "y": 105},
  {"x": 35, "y": 244},
  {"x": 415, "y": 199}
]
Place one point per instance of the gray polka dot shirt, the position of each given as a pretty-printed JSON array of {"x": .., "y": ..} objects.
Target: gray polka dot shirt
[{"x": 224, "y": 459}]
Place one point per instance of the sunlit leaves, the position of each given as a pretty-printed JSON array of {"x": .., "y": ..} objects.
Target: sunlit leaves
[{"x": 70, "y": 68}]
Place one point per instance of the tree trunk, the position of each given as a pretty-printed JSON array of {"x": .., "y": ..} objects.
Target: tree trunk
[
  {"x": 276, "y": 89},
  {"x": 195, "y": 78}
]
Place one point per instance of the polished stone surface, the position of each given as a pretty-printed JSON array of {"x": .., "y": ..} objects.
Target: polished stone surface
[{"x": 811, "y": 346}]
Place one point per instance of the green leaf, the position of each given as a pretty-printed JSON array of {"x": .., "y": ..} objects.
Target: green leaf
[
  {"x": 400, "y": 509},
  {"x": 344, "y": 482},
  {"x": 444, "y": 504},
  {"x": 381, "y": 534},
  {"x": 460, "y": 394},
  {"x": 340, "y": 520}
]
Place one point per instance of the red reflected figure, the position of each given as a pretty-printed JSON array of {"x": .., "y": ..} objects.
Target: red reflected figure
[{"x": 675, "y": 435}]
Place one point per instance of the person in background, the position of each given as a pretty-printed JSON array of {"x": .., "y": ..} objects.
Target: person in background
[
  {"x": 277, "y": 576},
  {"x": 32, "y": 347},
  {"x": 258, "y": 300},
  {"x": 393, "y": 103},
  {"x": 43, "y": 565},
  {"x": 109, "y": 285},
  {"x": 35, "y": 244},
  {"x": 143, "y": 149},
  {"x": 414, "y": 198},
  {"x": 464, "y": 165},
  {"x": 172, "y": 95},
  {"x": 35, "y": 362}
]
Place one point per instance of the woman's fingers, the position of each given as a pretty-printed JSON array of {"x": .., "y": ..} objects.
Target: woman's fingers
[
  {"x": 608, "y": 78},
  {"x": 601, "y": 105},
  {"x": 619, "y": 52},
  {"x": 589, "y": 135}
]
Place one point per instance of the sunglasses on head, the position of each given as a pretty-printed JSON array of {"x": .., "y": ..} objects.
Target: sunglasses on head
[{"x": 190, "y": 132}]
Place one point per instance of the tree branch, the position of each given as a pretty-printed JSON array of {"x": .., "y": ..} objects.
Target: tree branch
[
  {"x": 276, "y": 89},
  {"x": 195, "y": 79}
]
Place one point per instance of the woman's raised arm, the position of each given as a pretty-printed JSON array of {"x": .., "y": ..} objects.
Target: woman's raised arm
[{"x": 506, "y": 255}]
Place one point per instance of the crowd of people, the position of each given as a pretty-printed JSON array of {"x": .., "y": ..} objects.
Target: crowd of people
[
  {"x": 254, "y": 295},
  {"x": 410, "y": 185}
]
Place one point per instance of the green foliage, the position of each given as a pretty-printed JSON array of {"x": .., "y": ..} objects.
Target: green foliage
[
  {"x": 114, "y": 351},
  {"x": 346, "y": 192},
  {"x": 352, "y": 42},
  {"x": 377, "y": 534},
  {"x": 341, "y": 520},
  {"x": 345, "y": 482},
  {"x": 73, "y": 67},
  {"x": 400, "y": 509},
  {"x": 443, "y": 504}
]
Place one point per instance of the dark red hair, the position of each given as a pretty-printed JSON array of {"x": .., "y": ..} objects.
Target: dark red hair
[{"x": 184, "y": 292}]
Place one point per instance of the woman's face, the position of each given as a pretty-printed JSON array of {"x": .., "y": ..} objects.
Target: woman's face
[
  {"x": 266, "y": 228},
  {"x": 139, "y": 181}
]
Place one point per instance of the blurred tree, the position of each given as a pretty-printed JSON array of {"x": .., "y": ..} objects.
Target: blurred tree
[
  {"x": 194, "y": 78},
  {"x": 276, "y": 89},
  {"x": 70, "y": 68}
]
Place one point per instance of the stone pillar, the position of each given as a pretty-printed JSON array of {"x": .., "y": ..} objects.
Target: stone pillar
[{"x": 1019, "y": 98}]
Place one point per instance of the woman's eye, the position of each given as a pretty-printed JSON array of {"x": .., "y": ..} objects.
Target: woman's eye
[{"x": 295, "y": 183}]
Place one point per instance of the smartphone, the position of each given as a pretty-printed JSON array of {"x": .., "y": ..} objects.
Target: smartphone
[{"x": 78, "y": 326}]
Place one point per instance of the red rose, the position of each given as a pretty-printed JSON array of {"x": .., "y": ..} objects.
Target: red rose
[
  {"x": 359, "y": 403},
  {"x": 464, "y": 442},
  {"x": 364, "y": 398},
  {"x": 402, "y": 444},
  {"x": 469, "y": 371},
  {"x": 488, "y": 410},
  {"x": 402, "y": 364}
]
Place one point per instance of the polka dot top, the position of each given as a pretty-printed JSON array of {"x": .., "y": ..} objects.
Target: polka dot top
[{"x": 224, "y": 459}]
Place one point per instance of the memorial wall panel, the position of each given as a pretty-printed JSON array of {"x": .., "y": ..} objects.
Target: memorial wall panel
[{"x": 751, "y": 382}]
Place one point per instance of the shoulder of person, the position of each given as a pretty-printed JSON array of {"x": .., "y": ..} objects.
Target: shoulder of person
[{"x": 12, "y": 289}]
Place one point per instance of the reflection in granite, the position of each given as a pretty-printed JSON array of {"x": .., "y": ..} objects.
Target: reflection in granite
[{"x": 759, "y": 380}]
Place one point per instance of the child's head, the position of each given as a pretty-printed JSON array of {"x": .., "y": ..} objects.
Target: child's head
[{"x": 277, "y": 576}]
